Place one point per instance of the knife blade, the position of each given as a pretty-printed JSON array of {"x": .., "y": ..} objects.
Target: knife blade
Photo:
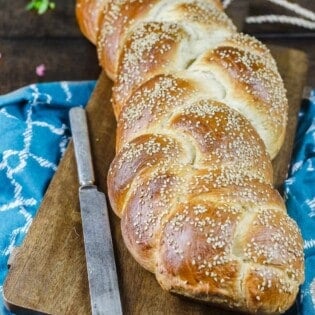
[{"x": 99, "y": 253}]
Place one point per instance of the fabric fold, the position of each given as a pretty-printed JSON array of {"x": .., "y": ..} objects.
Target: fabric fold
[
  {"x": 300, "y": 197},
  {"x": 34, "y": 129}
]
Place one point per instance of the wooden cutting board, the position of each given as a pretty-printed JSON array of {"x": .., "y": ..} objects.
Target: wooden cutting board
[{"x": 48, "y": 273}]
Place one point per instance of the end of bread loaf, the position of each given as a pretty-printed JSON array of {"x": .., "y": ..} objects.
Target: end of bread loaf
[
  {"x": 232, "y": 253},
  {"x": 202, "y": 215}
]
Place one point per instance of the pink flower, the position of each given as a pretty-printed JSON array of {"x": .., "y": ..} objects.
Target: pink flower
[{"x": 40, "y": 70}]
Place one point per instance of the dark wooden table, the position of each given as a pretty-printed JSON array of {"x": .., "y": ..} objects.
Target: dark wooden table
[
  {"x": 53, "y": 39},
  {"x": 284, "y": 35},
  {"x": 28, "y": 39}
]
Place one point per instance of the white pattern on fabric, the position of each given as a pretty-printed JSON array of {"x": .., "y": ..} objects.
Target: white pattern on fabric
[
  {"x": 311, "y": 204},
  {"x": 300, "y": 197},
  {"x": 34, "y": 123},
  {"x": 312, "y": 291},
  {"x": 309, "y": 244},
  {"x": 22, "y": 158},
  {"x": 296, "y": 166},
  {"x": 65, "y": 88}
]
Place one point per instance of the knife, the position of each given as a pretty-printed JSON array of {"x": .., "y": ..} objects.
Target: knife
[{"x": 99, "y": 253}]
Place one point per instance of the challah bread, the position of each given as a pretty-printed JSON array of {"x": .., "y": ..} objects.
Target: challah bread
[{"x": 201, "y": 111}]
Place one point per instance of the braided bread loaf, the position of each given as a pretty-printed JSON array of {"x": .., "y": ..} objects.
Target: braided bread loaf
[{"x": 201, "y": 111}]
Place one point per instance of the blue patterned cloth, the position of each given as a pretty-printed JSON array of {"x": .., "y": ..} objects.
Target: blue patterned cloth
[
  {"x": 34, "y": 130},
  {"x": 300, "y": 198}
]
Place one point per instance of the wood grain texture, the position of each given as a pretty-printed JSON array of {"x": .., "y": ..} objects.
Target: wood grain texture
[
  {"x": 16, "y": 21},
  {"x": 19, "y": 59},
  {"x": 237, "y": 12},
  {"x": 48, "y": 274},
  {"x": 293, "y": 66}
]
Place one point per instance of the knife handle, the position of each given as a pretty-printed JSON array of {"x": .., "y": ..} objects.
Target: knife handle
[{"x": 82, "y": 147}]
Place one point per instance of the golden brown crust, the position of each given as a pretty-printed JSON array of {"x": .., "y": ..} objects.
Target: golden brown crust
[
  {"x": 89, "y": 15},
  {"x": 151, "y": 103},
  {"x": 249, "y": 79},
  {"x": 200, "y": 110},
  {"x": 115, "y": 26},
  {"x": 268, "y": 290},
  {"x": 207, "y": 252},
  {"x": 152, "y": 151},
  {"x": 150, "y": 50}
]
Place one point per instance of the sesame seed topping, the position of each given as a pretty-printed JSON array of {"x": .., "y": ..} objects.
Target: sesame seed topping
[{"x": 192, "y": 178}]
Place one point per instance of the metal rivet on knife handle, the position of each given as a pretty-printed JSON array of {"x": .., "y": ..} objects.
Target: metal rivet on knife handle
[{"x": 99, "y": 253}]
